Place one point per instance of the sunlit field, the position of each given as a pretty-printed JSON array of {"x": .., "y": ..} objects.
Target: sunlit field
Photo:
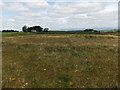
[{"x": 59, "y": 61}]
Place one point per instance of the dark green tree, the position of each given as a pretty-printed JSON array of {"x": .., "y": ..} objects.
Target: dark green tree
[
  {"x": 35, "y": 28},
  {"x": 45, "y": 29},
  {"x": 24, "y": 28}
]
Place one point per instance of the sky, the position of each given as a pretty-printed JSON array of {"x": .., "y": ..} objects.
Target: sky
[{"x": 59, "y": 14}]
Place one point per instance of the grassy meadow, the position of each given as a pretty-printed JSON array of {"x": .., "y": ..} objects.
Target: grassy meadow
[{"x": 59, "y": 61}]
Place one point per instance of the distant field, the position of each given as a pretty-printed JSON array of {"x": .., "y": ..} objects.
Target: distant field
[
  {"x": 50, "y": 32},
  {"x": 59, "y": 60},
  {"x": 14, "y": 33},
  {"x": 60, "y": 32}
]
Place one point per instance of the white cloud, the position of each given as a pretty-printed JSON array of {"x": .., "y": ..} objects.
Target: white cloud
[
  {"x": 1, "y": 4},
  {"x": 62, "y": 10},
  {"x": 109, "y": 13},
  {"x": 63, "y": 15},
  {"x": 84, "y": 0},
  {"x": 62, "y": 0},
  {"x": 11, "y": 20},
  {"x": 39, "y": 4},
  {"x": 30, "y": 14},
  {"x": 14, "y": 6}
]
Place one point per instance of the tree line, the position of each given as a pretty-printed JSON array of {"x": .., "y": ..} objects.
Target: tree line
[
  {"x": 10, "y": 31},
  {"x": 34, "y": 29}
]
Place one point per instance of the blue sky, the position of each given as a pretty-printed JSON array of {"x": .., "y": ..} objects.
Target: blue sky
[{"x": 60, "y": 14}]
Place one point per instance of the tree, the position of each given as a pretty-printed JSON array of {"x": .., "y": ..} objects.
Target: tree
[
  {"x": 29, "y": 29},
  {"x": 34, "y": 28},
  {"x": 45, "y": 29},
  {"x": 87, "y": 30},
  {"x": 38, "y": 28},
  {"x": 24, "y": 28}
]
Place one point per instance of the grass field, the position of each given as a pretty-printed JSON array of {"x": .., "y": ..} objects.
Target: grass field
[{"x": 59, "y": 61}]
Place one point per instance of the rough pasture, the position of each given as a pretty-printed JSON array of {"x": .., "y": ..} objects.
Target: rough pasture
[{"x": 60, "y": 61}]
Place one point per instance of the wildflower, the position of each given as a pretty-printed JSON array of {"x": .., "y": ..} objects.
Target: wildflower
[{"x": 44, "y": 69}]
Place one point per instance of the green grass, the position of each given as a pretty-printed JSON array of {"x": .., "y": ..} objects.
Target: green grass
[
  {"x": 114, "y": 30},
  {"x": 49, "y": 32},
  {"x": 60, "y": 32},
  {"x": 14, "y": 33},
  {"x": 60, "y": 61}
]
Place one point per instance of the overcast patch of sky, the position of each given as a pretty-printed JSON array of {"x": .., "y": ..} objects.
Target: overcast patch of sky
[
  {"x": 64, "y": 0},
  {"x": 46, "y": 17}
]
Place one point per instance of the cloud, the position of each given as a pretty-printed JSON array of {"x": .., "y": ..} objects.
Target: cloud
[
  {"x": 39, "y": 4},
  {"x": 14, "y": 6},
  {"x": 109, "y": 13},
  {"x": 1, "y": 4},
  {"x": 61, "y": 0},
  {"x": 65, "y": 9},
  {"x": 61, "y": 15},
  {"x": 11, "y": 20}
]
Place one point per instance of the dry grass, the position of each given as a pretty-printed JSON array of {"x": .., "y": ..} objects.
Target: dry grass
[{"x": 60, "y": 61}]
